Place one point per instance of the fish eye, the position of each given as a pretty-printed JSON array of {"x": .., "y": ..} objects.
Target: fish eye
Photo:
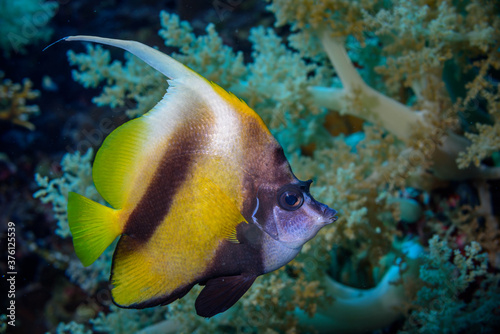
[{"x": 290, "y": 198}]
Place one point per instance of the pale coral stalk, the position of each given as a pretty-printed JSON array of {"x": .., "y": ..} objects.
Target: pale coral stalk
[
  {"x": 396, "y": 118},
  {"x": 169, "y": 326},
  {"x": 358, "y": 99},
  {"x": 365, "y": 310}
]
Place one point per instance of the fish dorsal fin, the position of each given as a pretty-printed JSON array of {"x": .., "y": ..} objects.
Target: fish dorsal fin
[
  {"x": 117, "y": 159},
  {"x": 161, "y": 62},
  {"x": 125, "y": 163},
  {"x": 220, "y": 293}
]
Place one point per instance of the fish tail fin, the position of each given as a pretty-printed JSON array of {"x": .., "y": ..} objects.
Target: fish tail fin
[{"x": 93, "y": 226}]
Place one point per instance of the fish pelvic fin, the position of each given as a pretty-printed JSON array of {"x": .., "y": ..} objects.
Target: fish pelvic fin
[
  {"x": 220, "y": 293},
  {"x": 93, "y": 227}
]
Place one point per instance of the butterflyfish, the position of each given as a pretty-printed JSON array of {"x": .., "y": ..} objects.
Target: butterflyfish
[{"x": 199, "y": 192}]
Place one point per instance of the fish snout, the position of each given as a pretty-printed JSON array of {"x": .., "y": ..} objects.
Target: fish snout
[{"x": 328, "y": 214}]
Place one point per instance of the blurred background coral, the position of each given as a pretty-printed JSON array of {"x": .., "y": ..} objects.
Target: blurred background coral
[{"x": 391, "y": 107}]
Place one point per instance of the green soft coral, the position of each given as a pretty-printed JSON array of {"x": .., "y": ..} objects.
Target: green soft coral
[
  {"x": 268, "y": 88},
  {"x": 448, "y": 275},
  {"x": 72, "y": 328},
  {"x": 132, "y": 84},
  {"x": 417, "y": 38},
  {"x": 77, "y": 177},
  {"x": 486, "y": 140},
  {"x": 121, "y": 320},
  {"x": 13, "y": 99},
  {"x": 137, "y": 86},
  {"x": 205, "y": 54},
  {"x": 23, "y": 23}
]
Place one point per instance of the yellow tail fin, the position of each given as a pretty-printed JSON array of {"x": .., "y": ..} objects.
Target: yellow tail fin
[{"x": 93, "y": 226}]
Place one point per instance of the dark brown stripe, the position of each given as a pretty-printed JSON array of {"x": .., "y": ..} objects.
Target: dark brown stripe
[
  {"x": 265, "y": 164},
  {"x": 279, "y": 156},
  {"x": 171, "y": 173}
]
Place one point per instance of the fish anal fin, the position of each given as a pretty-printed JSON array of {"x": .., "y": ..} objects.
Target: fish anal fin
[
  {"x": 137, "y": 284},
  {"x": 220, "y": 293}
]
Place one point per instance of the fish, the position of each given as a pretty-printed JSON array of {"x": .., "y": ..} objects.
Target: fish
[{"x": 199, "y": 192}]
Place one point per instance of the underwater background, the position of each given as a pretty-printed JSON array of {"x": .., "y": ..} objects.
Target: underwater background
[{"x": 391, "y": 107}]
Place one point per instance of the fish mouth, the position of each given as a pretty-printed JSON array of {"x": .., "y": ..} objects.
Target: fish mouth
[
  {"x": 330, "y": 215},
  {"x": 331, "y": 220}
]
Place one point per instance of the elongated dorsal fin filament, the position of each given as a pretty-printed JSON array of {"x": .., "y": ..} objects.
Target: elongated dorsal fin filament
[{"x": 163, "y": 63}]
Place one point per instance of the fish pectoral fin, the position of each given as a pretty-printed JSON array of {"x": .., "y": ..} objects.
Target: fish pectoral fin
[
  {"x": 221, "y": 293},
  {"x": 221, "y": 207}
]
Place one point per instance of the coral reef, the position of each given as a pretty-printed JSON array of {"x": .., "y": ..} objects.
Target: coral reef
[
  {"x": 413, "y": 76},
  {"x": 13, "y": 98},
  {"x": 132, "y": 81},
  {"x": 25, "y": 22},
  {"x": 77, "y": 177},
  {"x": 445, "y": 284}
]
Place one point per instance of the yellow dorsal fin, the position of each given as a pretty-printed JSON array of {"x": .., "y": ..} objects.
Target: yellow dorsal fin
[{"x": 117, "y": 160}]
